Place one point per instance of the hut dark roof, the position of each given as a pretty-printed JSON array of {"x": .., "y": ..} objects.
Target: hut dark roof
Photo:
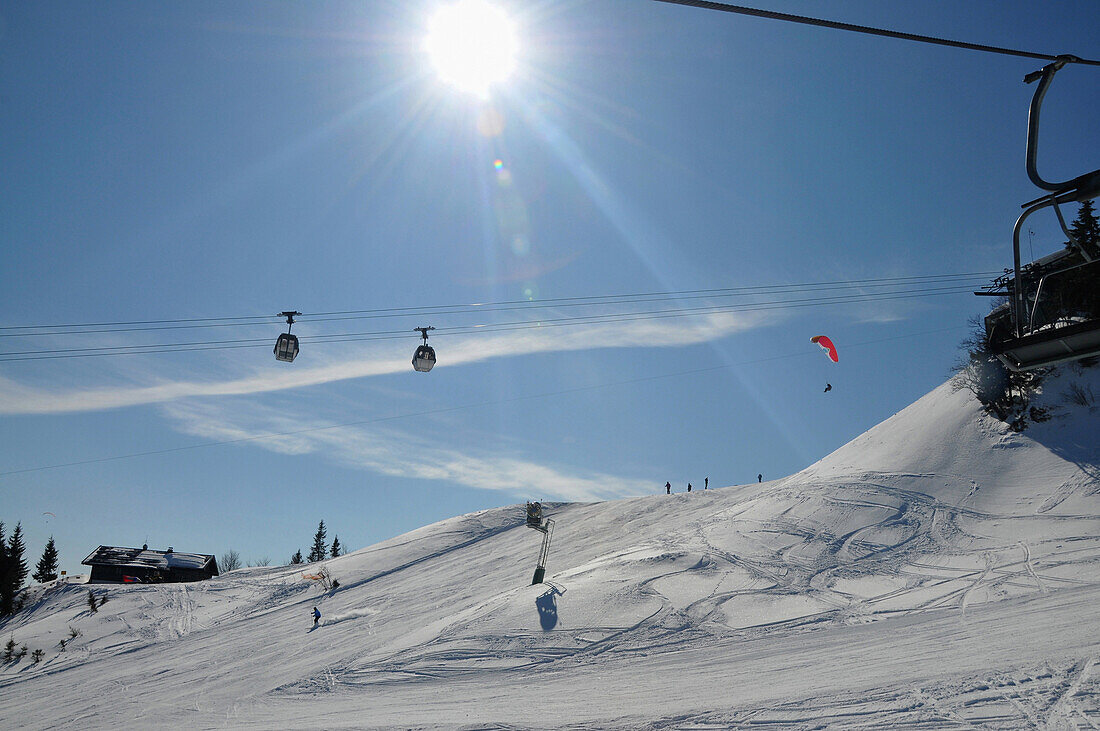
[{"x": 148, "y": 558}]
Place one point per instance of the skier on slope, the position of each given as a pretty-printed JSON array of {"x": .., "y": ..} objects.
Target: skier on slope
[{"x": 316, "y": 616}]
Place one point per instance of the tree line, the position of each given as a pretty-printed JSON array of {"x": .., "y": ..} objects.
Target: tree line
[
  {"x": 13, "y": 568},
  {"x": 321, "y": 550}
]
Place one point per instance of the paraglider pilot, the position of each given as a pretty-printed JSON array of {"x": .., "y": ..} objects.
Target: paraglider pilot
[
  {"x": 828, "y": 387},
  {"x": 316, "y": 616}
]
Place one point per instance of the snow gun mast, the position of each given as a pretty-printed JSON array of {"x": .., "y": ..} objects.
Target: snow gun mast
[{"x": 546, "y": 527}]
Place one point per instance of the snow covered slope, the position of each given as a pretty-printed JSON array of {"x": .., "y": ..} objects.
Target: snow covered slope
[{"x": 939, "y": 570}]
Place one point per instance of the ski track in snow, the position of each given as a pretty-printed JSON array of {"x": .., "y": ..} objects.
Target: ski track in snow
[{"x": 869, "y": 597}]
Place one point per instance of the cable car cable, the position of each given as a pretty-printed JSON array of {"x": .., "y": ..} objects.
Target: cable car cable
[
  {"x": 477, "y": 328},
  {"x": 265, "y": 320},
  {"x": 153, "y": 348},
  {"x": 463, "y": 407},
  {"x": 837, "y": 25}
]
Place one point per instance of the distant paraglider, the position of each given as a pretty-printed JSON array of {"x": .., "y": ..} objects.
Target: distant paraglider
[
  {"x": 830, "y": 352},
  {"x": 47, "y": 515},
  {"x": 826, "y": 345}
]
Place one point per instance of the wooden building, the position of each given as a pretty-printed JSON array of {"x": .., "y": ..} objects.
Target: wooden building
[{"x": 117, "y": 565}]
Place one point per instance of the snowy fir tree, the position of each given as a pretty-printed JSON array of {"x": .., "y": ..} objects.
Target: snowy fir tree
[
  {"x": 335, "y": 551},
  {"x": 46, "y": 570},
  {"x": 5, "y": 598},
  {"x": 297, "y": 557},
  {"x": 13, "y": 569},
  {"x": 1086, "y": 229},
  {"x": 16, "y": 548},
  {"x": 319, "y": 550}
]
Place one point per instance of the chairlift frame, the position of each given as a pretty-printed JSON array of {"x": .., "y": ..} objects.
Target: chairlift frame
[{"x": 1028, "y": 348}]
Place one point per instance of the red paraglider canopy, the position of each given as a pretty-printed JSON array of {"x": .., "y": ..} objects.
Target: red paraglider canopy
[{"x": 827, "y": 346}]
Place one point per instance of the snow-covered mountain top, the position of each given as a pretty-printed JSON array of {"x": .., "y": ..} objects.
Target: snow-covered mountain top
[{"x": 940, "y": 569}]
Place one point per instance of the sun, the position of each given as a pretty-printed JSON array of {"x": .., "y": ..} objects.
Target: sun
[{"x": 472, "y": 45}]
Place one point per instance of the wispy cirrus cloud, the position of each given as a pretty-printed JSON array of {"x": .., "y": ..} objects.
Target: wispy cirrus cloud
[
  {"x": 392, "y": 452},
  {"x": 20, "y": 398}
]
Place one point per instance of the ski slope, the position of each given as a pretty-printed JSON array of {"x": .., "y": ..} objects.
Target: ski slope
[{"x": 939, "y": 571}]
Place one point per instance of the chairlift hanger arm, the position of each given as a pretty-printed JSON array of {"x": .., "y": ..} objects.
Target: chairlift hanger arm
[
  {"x": 289, "y": 315},
  {"x": 1084, "y": 187}
]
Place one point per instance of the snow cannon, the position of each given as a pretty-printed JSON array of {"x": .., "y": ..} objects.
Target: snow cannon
[{"x": 546, "y": 527}]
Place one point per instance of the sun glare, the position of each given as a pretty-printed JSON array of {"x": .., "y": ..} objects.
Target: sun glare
[{"x": 472, "y": 45}]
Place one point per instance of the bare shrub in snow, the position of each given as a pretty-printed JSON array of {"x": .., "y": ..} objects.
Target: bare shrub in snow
[
  {"x": 230, "y": 560},
  {"x": 1004, "y": 393},
  {"x": 1080, "y": 395}
]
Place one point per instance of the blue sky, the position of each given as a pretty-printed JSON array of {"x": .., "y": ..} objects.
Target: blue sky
[{"x": 203, "y": 160}]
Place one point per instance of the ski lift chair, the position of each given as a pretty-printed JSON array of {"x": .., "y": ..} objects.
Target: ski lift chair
[{"x": 1053, "y": 316}]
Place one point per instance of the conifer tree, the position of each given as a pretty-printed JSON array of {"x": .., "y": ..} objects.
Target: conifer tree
[
  {"x": 5, "y": 569},
  {"x": 47, "y": 565},
  {"x": 1086, "y": 229},
  {"x": 13, "y": 569},
  {"x": 319, "y": 550},
  {"x": 335, "y": 547},
  {"x": 15, "y": 557},
  {"x": 297, "y": 557}
]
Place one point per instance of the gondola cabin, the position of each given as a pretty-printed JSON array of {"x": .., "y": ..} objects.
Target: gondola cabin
[
  {"x": 423, "y": 358},
  {"x": 286, "y": 347}
]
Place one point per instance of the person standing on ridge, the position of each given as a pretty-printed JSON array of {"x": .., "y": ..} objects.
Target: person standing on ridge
[
  {"x": 706, "y": 481},
  {"x": 316, "y": 616},
  {"x": 760, "y": 478},
  {"x": 689, "y": 487},
  {"x": 668, "y": 488}
]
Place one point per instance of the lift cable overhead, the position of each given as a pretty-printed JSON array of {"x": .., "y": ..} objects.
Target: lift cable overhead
[
  {"x": 11, "y": 331},
  {"x": 837, "y": 25},
  {"x": 490, "y": 327}
]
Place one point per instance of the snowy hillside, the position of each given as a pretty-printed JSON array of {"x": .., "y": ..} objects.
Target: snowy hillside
[{"x": 937, "y": 571}]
